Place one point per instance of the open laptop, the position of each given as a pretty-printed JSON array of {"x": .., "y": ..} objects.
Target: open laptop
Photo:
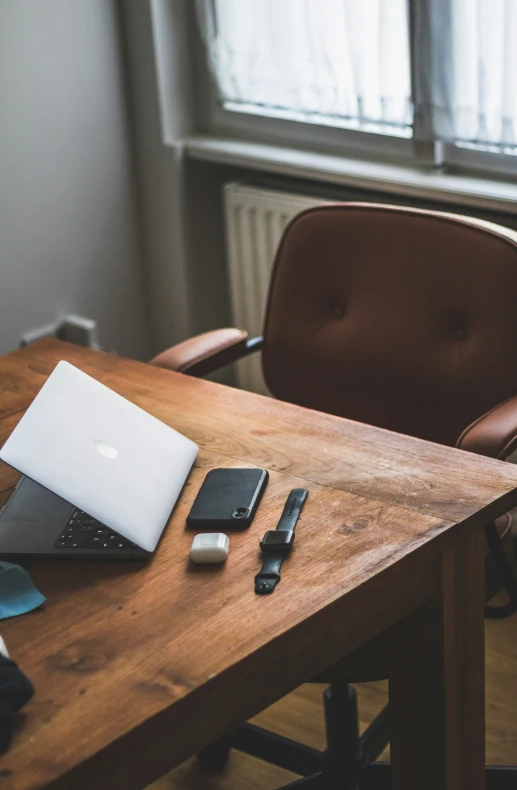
[{"x": 102, "y": 475}]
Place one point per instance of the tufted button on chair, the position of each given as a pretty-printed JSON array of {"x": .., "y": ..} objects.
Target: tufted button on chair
[{"x": 404, "y": 319}]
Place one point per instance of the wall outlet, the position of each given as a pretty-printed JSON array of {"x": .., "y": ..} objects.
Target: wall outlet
[
  {"x": 79, "y": 330},
  {"x": 73, "y": 328}
]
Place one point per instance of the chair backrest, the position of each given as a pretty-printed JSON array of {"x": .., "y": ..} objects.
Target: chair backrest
[{"x": 398, "y": 317}]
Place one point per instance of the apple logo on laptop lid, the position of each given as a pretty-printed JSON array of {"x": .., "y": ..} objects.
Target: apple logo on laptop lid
[{"x": 105, "y": 449}]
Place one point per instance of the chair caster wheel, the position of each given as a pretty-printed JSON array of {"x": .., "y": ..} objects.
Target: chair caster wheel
[{"x": 214, "y": 758}]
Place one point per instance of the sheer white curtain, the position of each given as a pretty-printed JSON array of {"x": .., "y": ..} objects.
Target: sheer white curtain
[
  {"x": 347, "y": 63},
  {"x": 484, "y": 78},
  {"x": 342, "y": 62},
  {"x": 465, "y": 87}
]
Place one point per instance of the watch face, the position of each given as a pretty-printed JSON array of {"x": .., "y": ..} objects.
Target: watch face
[{"x": 277, "y": 537}]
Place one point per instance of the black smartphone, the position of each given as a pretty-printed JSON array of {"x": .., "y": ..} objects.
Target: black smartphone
[{"x": 228, "y": 499}]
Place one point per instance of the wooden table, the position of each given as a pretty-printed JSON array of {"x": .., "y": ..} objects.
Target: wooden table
[{"x": 138, "y": 667}]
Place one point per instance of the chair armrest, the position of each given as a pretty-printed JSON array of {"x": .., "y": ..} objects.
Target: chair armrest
[
  {"x": 494, "y": 434},
  {"x": 204, "y": 353}
]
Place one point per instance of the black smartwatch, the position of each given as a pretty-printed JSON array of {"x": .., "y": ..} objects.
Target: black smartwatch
[{"x": 276, "y": 543}]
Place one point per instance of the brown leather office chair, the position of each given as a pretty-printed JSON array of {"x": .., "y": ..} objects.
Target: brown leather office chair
[{"x": 404, "y": 319}]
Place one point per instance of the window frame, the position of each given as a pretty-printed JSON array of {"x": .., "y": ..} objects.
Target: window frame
[
  {"x": 486, "y": 163},
  {"x": 418, "y": 151},
  {"x": 215, "y": 120}
]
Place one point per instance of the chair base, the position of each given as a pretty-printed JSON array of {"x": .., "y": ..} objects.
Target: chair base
[
  {"x": 302, "y": 759},
  {"x": 347, "y": 755},
  {"x": 348, "y": 763}
]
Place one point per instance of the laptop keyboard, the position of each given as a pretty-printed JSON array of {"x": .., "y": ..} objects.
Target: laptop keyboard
[{"x": 84, "y": 532}]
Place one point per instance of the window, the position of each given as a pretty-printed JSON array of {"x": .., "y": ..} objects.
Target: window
[
  {"x": 341, "y": 64},
  {"x": 484, "y": 73},
  {"x": 432, "y": 70}
]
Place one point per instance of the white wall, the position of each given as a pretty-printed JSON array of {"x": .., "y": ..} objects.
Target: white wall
[{"x": 69, "y": 238}]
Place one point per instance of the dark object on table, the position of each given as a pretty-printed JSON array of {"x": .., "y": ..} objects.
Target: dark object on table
[
  {"x": 15, "y": 691},
  {"x": 228, "y": 499}
]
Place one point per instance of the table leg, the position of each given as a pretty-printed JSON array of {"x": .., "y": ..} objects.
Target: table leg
[
  {"x": 437, "y": 681},
  {"x": 464, "y": 661}
]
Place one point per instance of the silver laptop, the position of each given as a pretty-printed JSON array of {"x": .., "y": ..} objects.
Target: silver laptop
[{"x": 102, "y": 475}]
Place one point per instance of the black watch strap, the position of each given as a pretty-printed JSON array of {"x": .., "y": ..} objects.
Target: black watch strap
[
  {"x": 292, "y": 509},
  {"x": 269, "y": 575}
]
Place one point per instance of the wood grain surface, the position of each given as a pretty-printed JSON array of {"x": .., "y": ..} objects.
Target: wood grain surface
[
  {"x": 136, "y": 667},
  {"x": 331, "y": 451}
]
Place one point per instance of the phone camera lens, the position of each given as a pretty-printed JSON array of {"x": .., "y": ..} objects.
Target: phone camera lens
[{"x": 240, "y": 512}]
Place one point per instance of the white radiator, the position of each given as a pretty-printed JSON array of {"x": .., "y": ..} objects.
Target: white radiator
[{"x": 255, "y": 221}]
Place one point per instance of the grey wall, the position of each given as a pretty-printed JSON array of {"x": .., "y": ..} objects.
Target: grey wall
[
  {"x": 156, "y": 35},
  {"x": 69, "y": 239}
]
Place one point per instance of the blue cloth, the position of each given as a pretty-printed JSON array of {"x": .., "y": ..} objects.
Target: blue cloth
[{"x": 17, "y": 591}]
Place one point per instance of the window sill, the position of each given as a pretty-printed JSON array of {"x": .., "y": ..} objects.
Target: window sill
[{"x": 449, "y": 188}]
